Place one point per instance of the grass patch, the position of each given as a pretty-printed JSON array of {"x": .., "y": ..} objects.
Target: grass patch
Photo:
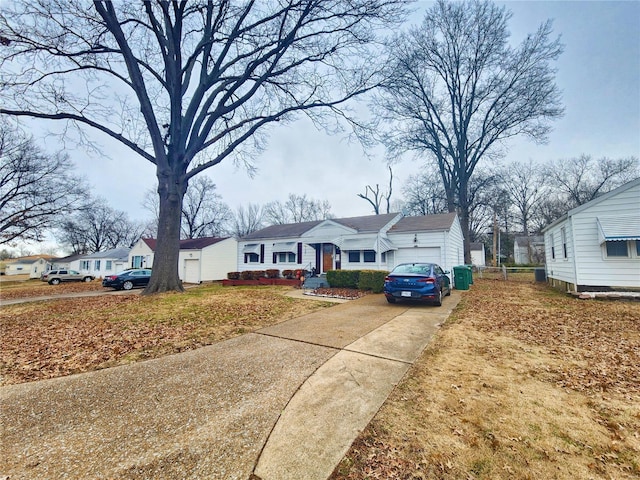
[
  {"x": 522, "y": 382},
  {"x": 65, "y": 336}
]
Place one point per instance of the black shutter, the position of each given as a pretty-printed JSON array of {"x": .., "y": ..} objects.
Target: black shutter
[
  {"x": 299, "y": 253},
  {"x": 262, "y": 253},
  {"x": 275, "y": 258}
]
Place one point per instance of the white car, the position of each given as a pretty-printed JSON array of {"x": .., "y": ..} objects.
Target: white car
[{"x": 54, "y": 277}]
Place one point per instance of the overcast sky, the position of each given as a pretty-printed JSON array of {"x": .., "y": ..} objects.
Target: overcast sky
[{"x": 598, "y": 73}]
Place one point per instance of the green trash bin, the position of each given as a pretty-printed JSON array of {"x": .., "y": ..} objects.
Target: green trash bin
[
  {"x": 470, "y": 274},
  {"x": 461, "y": 277}
]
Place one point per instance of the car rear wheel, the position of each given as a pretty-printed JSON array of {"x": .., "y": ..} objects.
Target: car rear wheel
[
  {"x": 54, "y": 281},
  {"x": 127, "y": 285},
  {"x": 86, "y": 279},
  {"x": 391, "y": 300},
  {"x": 438, "y": 302}
]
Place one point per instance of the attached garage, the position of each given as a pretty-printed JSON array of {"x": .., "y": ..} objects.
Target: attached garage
[
  {"x": 419, "y": 254},
  {"x": 191, "y": 271}
]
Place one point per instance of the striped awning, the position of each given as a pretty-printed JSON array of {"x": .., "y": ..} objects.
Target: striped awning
[
  {"x": 377, "y": 244},
  {"x": 285, "y": 247},
  {"x": 251, "y": 248},
  {"x": 620, "y": 228}
]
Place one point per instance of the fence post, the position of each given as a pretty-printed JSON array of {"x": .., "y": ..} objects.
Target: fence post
[{"x": 504, "y": 272}]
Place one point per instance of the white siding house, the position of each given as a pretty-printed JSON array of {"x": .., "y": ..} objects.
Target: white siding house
[
  {"x": 33, "y": 266},
  {"x": 374, "y": 242},
  {"x": 478, "y": 255},
  {"x": 200, "y": 259},
  {"x": 597, "y": 245},
  {"x": 529, "y": 249},
  {"x": 101, "y": 264}
]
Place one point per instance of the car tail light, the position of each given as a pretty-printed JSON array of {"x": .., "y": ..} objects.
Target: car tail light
[
  {"x": 427, "y": 280},
  {"x": 387, "y": 279}
]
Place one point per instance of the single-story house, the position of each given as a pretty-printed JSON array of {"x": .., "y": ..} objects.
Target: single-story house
[
  {"x": 200, "y": 259},
  {"x": 528, "y": 249},
  {"x": 33, "y": 265},
  {"x": 100, "y": 264},
  {"x": 478, "y": 254},
  {"x": 70, "y": 262},
  {"x": 596, "y": 246},
  {"x": 374, "y": 242}
]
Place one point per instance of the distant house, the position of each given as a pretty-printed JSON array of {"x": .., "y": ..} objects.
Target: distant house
[
  {"x": 33, "y": 265},
  {"x": 375, "y": 242},
  {"x": 528, "y": 249},
  {"x": 69, "y": 262},
  {"x": 596, "y": 246},
  {"x": 200, "y": 259},
  {"x": 100, "y": 264},
  {"x": 478, "y": 255}
]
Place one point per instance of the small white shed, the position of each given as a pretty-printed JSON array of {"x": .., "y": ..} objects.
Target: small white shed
[{"x": 596, "y": 246}]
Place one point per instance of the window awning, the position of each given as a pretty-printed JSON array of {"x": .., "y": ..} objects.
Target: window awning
[
  {"x": 621, "y": 228},
  {"x": 251, "y": 248},
  {"x": 282, "y": 247},
  {"x": 379, "y": 245}
]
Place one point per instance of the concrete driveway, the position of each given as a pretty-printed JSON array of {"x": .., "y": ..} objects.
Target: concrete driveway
[{"x": 281, "y": 403}]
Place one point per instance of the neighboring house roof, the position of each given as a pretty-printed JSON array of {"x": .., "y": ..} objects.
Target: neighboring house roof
[
  {"x": 283, "y": 231},
  {"x": 479, "y": 246},
  {"x": 570, "y": 213},
  {"x": 188, "y": 244},
  {"x": 28, "y": 260},
  {"x": 69, "y": 258},
  {"x": 368, "y": 223},
  {"x": 113, "y": 253},
  {"x": 426, "y": 223}
]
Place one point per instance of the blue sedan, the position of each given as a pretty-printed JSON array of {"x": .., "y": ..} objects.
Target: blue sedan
[
  {"x": 417, "y": 281},
  {"x": 128, "y": 279}
]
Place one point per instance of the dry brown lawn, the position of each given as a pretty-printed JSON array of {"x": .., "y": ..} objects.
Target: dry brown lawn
[
  {"x": 60, "y": 337},
  {"x": 521, "y": 383}
]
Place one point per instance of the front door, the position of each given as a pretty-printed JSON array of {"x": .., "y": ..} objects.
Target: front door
[{"x": 327, "y": 257}]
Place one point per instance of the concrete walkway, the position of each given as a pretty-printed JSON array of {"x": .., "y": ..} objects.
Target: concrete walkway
[{"x": 285, "y": 402}]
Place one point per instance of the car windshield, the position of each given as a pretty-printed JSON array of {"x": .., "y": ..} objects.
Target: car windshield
[{"x": 413, "y": 268}]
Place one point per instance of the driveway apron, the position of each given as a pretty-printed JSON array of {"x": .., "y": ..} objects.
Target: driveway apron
[{"x": 284, "y": 402}]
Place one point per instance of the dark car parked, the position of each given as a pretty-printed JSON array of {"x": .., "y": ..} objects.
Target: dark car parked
[
  {"x": 417, "y": 281},
  {"x": 128, "y": 279}
]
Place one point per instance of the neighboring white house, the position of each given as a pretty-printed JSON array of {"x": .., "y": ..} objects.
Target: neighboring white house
[
  {"x": 374, "y": 242},
  {"x": 100, "y": 264},
  {"x": 200, "y": 259},
  {"x": 597, "y": 245},
  {"x": 33, "y": 266},
  {"x": 528, "y": 249},
  {"x": 478, "y": 255},
  {"x": 71, "y": 262}
]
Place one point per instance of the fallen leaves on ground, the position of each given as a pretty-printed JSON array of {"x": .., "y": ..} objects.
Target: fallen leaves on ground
[
  {"x": 37, "y": 288},
  {"x": 520, "y": 379},
  {"x": 345, "y": 293},
  {"x": 60, "y": 337}
]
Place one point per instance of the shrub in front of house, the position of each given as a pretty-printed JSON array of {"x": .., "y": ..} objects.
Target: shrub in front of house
[
  {"x": 233, "y": 275},
  {"x": 246, "y": 275},
  {"x": 258, "y": 274},
  {"x": 343, "y": 278},
  {"x": 287, "y": 273},
  {"x": 273, "y": 273},
  {"x": 372, "y": 280}
]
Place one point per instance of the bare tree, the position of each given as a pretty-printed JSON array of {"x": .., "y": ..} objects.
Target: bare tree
[
  {"x": 526, "y": 185},
  {"x": 247, "y": 220},
  {"x": 457, "y": 90},
  {"x": 377, "y": 196},
  {"x": 187, "y": 84},
  {"x": 423, "y": 193},
  {"x": 97, "y": 227},
  {"x": 582, "y": 179},
  {"x": 204, "y": 214},
  {"x": 36, "y": 189},
  {"x": 297, "y": 208}
]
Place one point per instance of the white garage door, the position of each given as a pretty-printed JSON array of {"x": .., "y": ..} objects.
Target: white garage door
[
  {"x": 192, "y": 271},
  {"x": 419, "y": 254}
]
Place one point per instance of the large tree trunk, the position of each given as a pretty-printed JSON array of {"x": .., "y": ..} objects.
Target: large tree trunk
[{"x": 164, "y": 277}]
